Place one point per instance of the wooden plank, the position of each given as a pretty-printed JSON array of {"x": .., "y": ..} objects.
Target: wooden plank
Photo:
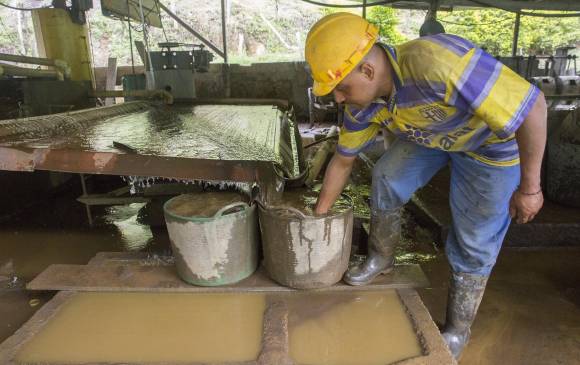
[
  {"x": 111, "y": 79},
  {"x": 158, "y": 274}
]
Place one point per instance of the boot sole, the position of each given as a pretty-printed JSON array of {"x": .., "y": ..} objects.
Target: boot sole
[{"x": 368, "y": 281}]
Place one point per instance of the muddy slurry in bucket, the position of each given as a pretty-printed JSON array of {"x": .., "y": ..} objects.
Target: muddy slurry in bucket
[
  {"x": 205, "y": 204},
  {"x": 305, "y": 251},
  {"x": 305, "y": 201},
  {"x": 213, "y": 237}
]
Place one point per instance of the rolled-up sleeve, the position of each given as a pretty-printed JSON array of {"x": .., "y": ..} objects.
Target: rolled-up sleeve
[{"x": 493, "y": 92}]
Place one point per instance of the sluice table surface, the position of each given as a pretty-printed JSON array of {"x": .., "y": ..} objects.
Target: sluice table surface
[{"x": 205, "y": 142}]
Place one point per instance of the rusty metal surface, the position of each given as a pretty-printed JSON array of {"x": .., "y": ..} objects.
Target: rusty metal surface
[{"x": 241, "y": 143}]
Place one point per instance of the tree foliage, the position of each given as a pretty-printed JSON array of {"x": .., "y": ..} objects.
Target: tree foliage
[
  {"x": 251, "y": 25},
  {"x": 494, "y": 29},
  {"x": 386, "y": 20}
]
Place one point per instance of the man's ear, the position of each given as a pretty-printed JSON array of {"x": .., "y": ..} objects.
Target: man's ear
[{"x": 368, "y": 70}]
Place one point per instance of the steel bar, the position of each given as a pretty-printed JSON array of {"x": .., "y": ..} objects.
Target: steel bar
[
  {"x": 10, "y": 70},
  {"x": 61, "y": 65},
  {"x": 192, "y": 31},
  {"x": 87, "y": 207},
  {"x": 162, "y": 94},
  {"x": 516, "y": 35},
  {"x": 224, "y": 31},
  {"x": 280, "y": 103}
]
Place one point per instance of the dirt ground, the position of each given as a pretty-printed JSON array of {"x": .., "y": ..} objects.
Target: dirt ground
[{"x": 530, "y": 313}]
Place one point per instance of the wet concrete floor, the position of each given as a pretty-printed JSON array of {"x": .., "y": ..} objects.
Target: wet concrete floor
[{"x": 529, "y": 315}]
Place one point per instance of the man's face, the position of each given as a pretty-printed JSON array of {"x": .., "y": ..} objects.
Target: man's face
[{"x": 356, "y": 89}]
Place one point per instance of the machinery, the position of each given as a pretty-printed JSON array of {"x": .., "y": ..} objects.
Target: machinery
[{"x": 174, "y": 70}]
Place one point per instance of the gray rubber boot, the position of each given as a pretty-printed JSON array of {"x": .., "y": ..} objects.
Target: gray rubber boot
[
  {"x": 385, "y": 234},
  {"x": 465, "y": 293}
]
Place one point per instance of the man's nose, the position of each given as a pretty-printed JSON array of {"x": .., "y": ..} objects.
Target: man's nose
[{"x": 338, "y": 96}]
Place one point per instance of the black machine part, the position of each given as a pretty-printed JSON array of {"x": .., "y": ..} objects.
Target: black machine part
[{"x": 171, "y": 58}]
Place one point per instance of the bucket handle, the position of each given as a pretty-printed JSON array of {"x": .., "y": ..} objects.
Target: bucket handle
[
  {"x": 293, "y": 210},
  {"x": 228, "y": 207}
]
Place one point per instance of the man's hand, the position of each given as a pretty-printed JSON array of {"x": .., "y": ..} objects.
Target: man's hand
[
  {"x": 523, "y": 207},
  {"x": 335, "y": 179},
  {"x": 531, "y": 138}
]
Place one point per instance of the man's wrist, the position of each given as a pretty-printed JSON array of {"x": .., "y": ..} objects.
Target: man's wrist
[
  {"x": 529, "y": 191},
  {"x": 530, "y": 186}
]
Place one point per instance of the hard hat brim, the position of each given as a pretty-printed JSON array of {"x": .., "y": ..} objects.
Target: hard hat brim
[{"x": 321, "y": 89}]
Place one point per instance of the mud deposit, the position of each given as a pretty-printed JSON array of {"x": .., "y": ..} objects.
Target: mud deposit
[{"x": 368, "y": 328}]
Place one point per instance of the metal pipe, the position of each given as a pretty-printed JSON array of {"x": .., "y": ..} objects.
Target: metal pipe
[
  {"x": 516, "y": 35},
  {"x": 224, "y": 32},
  {"x": 163, "y": 94},
  {"x": 226, "y": 66},
  {"x": 61, "y": 65},
  {"x": 10, "y": 70},
  {"x": 87, "y": 207},
  {"x": 364, "y": 9},
  {"x": 131, "y": 41},
  {"x": 280, "y": 103}
]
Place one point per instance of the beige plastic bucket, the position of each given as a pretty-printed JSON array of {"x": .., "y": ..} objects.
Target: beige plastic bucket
[
  {"x": 217, "y": 250},
  {"x": 305, "y": 252}
]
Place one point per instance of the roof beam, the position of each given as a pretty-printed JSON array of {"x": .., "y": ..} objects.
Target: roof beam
[{"x": 556, "y": 5}]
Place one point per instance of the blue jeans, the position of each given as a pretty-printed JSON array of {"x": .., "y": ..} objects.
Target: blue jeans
[{"x": 479, "y": 199}]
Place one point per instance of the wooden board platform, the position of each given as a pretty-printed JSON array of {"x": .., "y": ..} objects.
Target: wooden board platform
[{"x": 137, "y": 272}]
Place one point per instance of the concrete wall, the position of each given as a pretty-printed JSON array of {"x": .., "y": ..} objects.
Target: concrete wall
[{"x": 280, "y": 80}]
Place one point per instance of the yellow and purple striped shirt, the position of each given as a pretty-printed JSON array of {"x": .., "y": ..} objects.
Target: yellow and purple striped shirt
[{"x": 450, "y": 95}]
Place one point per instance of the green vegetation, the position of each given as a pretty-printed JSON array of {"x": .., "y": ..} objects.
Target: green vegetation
[
  {"x": 386, "y": 20},
  {"x": 275, "y": 30},
  {"x": 493, "y": 30}
]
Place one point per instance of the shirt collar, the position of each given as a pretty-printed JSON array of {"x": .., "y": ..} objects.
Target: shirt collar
[{"x": 396, "y": 75}]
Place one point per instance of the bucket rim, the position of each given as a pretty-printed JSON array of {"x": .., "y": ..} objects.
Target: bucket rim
[
  {"x": 270, "y": 211},
  {"x": 218, "y": 215}
]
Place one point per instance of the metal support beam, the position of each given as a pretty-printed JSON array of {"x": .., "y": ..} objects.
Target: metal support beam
[
  {"x": 226, "y": 66},
  {"x": 432, "y": 13},
  {"x": 516, "y": 35},
  {"x": 364, "y": 9},
  {"x": 513, "y": 5},
  {"x": 10, "y": 70},
  {"x": 87, "y": 207},
  {"x": 61, "y": 65},
  {"x": 192, "y": 31},
  {"x": 224, "y": 31}
]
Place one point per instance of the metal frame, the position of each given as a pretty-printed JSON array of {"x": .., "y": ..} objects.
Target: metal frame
[{"x": 205, "y": 41}]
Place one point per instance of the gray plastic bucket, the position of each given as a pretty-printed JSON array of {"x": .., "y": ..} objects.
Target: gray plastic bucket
[
  {"x": 305, "y": 252},
  {"x": 213, "y": 251}
]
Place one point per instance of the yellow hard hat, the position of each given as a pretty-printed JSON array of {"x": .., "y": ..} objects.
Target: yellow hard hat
[{"x": 334, "y": 46}]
